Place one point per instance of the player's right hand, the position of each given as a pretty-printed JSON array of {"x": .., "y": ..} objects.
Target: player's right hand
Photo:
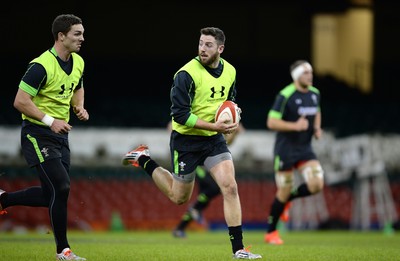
[
  {"x": 60, "y": 126},
  {"x": 302, "y": 123},
  {"x": 225, "y": 128}
]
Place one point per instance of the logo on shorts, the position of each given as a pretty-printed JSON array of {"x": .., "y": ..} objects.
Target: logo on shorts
[
  {"x": 45, "y": 151},
  {"x": 182, "y": 166}
]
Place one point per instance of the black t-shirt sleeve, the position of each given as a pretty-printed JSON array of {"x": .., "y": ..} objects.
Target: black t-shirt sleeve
[
  {"x": 35, "y": 76},
  {"x": 182, "y": 93}
]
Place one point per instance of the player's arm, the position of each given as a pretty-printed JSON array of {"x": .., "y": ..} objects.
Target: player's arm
[
  {"x": 181, "y": 97},
  {"x": 317, "y": 125},
  {"x": 24, "y": 104},
  {"x": 77, "y": 103},
  {"x": 275, "y": 121},
  {"x": 219, "y": 126},
  {"x": 34, "y": 78},
  {"x": 232, "y": 92},
  {"x": 278, "y": 124}
]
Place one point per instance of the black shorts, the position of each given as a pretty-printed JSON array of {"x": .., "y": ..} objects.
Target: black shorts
[
  {"x": 188, "y": 152},
  {"x": 39, "y": 144},
  {"x": 291, "y": 158}
]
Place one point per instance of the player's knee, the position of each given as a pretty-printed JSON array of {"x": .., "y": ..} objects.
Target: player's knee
[
  {"x": 180, "y": 201},
  {"x": 230, "y": 190},
  {"x": 313, "y": 173},
  {"x": 62, "y": 191},
  {"x": 314, "y": 177},
  {"x": 284, "y": 181}
]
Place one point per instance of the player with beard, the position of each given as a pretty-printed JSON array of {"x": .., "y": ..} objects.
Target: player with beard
[{"x": 199, "y": 87}]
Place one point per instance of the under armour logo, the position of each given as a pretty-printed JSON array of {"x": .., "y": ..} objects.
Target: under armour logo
[
  {"x": 63, "y": 89},
  {"x": 214, "y": 91}
]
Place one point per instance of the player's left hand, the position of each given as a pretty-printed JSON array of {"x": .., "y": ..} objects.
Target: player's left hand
[{"x": 81, "y": 113}]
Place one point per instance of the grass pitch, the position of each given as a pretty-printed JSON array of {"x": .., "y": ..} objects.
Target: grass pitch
[{"x": 160, "y": 245}]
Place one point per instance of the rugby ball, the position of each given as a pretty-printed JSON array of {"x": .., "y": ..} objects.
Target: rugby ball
[{"x": 229, "y": 112}]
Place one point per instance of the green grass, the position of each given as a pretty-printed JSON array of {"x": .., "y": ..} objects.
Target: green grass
[{"x": 141, "y": 245}]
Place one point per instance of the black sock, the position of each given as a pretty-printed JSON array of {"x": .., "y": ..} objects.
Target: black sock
[
  {"x": 3, "y": 197},
  {"x": 276, "y": 211},
  {"x": 301, "y": 191},
  {"x": 148, "y": 164},
  {"x": 201, "y": 203},
  {"x": 186, "y": 219},
  {"x": 236, "y": 236}
]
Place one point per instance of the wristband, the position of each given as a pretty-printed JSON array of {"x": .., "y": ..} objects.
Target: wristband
[{"x": 48, "y": 120}]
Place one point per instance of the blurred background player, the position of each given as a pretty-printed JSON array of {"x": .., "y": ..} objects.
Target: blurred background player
[
  {"x": 208, "y": 190},
  {"x": 296, "y": 116}
]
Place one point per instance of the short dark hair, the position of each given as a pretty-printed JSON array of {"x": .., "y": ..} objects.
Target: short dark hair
[
  {"x": 216, "y": 32},
  {"x": 63, "y": 23}
]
